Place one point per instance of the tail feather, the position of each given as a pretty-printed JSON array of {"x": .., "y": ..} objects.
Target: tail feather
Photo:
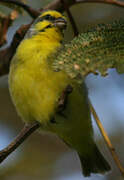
[{"x": 95, "y": 163}]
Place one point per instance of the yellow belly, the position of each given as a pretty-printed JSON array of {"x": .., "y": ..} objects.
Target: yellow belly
[
  {"x": 35, "y": 91},
  {"x": 34, "y": 86}
]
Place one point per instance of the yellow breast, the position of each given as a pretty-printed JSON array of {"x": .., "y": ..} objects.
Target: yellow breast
[{"x": 34, "y": 87}]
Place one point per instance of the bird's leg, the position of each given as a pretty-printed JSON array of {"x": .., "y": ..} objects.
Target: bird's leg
[
  {"x": 63, "y": 99},
  {"x": 25, "y": 132}
]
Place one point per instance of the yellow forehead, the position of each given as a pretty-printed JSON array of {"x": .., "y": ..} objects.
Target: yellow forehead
[{"x": 55, "y": 14}]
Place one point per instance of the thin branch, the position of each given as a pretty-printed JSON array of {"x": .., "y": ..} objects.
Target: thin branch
[
  {"x": 112, "y": 2},
  {"x": 6, "y": 22},
  {"x": 58, "y": 5},
  {"x": 7, "y": 54},
  {"x": 72, "y": 21},
  {"x": 32, "y": 12},
  {"x": 23, "y": 135},
  {"x": 107, "y": 140},
  {"x": 30, "y": 128}
]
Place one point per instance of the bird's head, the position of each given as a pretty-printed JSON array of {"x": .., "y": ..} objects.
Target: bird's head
[{"x": 48, "y": 23}]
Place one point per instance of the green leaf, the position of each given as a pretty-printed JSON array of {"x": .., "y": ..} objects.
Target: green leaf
[{"x": 95, "y": 51}]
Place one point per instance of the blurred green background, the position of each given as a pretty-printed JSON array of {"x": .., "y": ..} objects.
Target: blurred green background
[{"x": 44, "y": 156}]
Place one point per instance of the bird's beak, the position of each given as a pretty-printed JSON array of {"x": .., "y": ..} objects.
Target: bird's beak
[{"x": 60, "y": 23}]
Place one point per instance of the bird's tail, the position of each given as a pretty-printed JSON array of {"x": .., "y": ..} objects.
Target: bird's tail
[{"x": 94, "y": 163}]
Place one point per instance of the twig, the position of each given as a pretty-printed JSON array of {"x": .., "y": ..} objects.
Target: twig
[
  {"x": 6, "y": 21},
  {"x": 32, "y": 12},
  {"x": 7, "y": 54},
  {"x": 107, "y": 140},
  {"x": 23, "y": 135},
  {"x": 112, "y": 2},
  {"x": 30, "y": 128},
  {"x": 72, "y": 21},
  {"x": 58, "y": 5}
]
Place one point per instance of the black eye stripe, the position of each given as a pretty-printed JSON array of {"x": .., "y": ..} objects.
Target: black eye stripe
[
  {"x": 46, "y": 17},
  {"x": 49, "y": 26},
  {"x": 49, "y": 17}
]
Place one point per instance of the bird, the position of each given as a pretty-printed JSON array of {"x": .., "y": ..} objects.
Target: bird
[{"x": 36, "y": 90}]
